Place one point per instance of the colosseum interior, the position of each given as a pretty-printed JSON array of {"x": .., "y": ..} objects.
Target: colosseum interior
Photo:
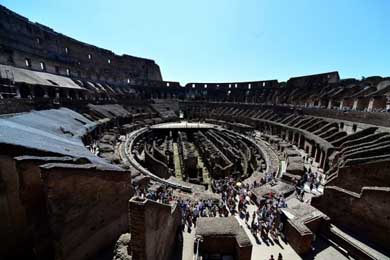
[{"x": 102, "y": 159}]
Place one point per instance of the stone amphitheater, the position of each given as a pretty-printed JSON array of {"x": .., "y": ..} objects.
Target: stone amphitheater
[{"x": 102, "y": 159}]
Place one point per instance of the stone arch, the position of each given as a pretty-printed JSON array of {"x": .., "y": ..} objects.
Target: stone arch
[
  {"x": 62, "y": 93},
  {"x": 39, "y": 92},
  {"x": 25, "y": 91},
  {"x": 72, "y": 94}
]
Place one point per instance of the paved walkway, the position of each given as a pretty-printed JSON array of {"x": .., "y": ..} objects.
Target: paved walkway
[
  {"x": 188, "y": 245},
  {"x": 264, "y": 249},
  {"x": 322, "y": 249}
]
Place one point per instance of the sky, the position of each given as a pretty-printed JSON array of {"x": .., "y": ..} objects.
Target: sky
[{"x": 229, "y": 40}]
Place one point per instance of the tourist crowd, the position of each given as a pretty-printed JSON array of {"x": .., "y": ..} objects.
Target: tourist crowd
[
  {"x": 264, "y": 222},
  {"x": 311, "y": 179}
]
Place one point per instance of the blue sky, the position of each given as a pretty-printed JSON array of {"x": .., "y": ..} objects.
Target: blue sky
[{"x": 230, "y": 40}]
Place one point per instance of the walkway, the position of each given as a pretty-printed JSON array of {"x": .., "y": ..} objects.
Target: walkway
[
  {"x": 263, "y": 249},
  {"x": 322, "y": 249}
]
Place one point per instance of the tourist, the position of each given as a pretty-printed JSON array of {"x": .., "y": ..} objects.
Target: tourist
[
  {"x": 247, "y": 217},
  {"x": 280, "y": 229},
  {"x": 235, "y": 199}
]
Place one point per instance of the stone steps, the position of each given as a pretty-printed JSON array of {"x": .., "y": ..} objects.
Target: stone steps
[{"x": 353, "y": 246}]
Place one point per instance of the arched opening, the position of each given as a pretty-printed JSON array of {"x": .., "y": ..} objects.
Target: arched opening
[
  {"x": 52, "y": 92},
  {"x": 39, "y": 92},
  {"x": 62, "y": 93},
  {"x": 82, "y": 95},
  {"x": 25, "y": 91},
  {"x": 72, "y": 94}
]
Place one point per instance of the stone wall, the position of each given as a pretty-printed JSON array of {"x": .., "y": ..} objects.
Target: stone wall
[
  {"x": 280, "y": 121},
  {"x": 221, "y": 244},
  {"x": 188, "y": 159},
  {"x": 87, "y": 208},
  {"x": 300, "y": 241},
  {"x": 13, "y": 226},
  {"x": 373, "y": 118},
  {"x": 215, "y": 160},
  {"x": 154, "y": 228},
  {"x": 366, "y": 214},
  {"x": 33, "y": 199},
  {"x": 223, "y": 237},
  {"x": 157, "y": 167},
  {"x": 21, "y": 39},
  {"x": 227, "y": 245},
  {"x": 10, "y": 106},
  {"x": 355, "y": 177}
]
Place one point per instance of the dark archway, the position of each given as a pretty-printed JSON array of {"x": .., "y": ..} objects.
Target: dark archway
[
  {"x": 52, "y": 92},
  {"x": 25, "y": 91},
  {"x": 72, "y": 94},
  {"x": 62, "y": 93},
  {"x": 39, "y": 92}
]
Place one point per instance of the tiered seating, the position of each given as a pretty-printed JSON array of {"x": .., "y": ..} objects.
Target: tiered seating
[
  {"x": 356, "y": 162},
  {"x": 69, "y": 163},
  {"x": 167, "y": 108}
]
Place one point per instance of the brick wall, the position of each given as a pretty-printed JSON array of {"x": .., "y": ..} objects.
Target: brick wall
[
  {"x": 154, "y": 228},
  {"x": 300, "y": 241},
  {"x": 13, "y": 226},
  {"x": 355, "y": 177},
  {"x": 366, "y": 214},
  {"x": 87, "y": 208},
  {"x": 21, "y": 39},
  {"x": 375, "y": 118}
]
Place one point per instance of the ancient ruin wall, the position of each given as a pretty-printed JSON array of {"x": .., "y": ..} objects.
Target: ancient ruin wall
[
  {"x": 154, "y": 228},
  {"x": 87, "y": 208},
  {"x": 33, "y": 199},
  {"x": 12, "y": 214},
  {"x": 374, "y": 118},
  {"x": 21, "y": 39},
  {"x": 299, "y": 237},
  {"x": 367, "y": 214},
  {"x": 355, "y": 177},
  {"x": 156, "y": 166}
]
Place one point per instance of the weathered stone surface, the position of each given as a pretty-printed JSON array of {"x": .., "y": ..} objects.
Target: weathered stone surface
[
  {"x": 154, "y": 229},
  {"x": 121, "y": 251},
  {"x": 366, "y": 213},
  {"x": 224, "y": 236},
  {"x": 59, "y": 200},
  {"x": 87, "y": 208},
  {"x": 21, "y": 38}
]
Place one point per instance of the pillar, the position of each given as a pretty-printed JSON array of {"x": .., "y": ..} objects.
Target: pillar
[
  {"x": 323, "y": 160},
  {"x": 32, "y": 91},
  {"x": 46, "y": 93},
  {"x": 312, "y": 149},
  {"x": 341, "y": 103},
  {"x": 17, "y": 89},
  {"x": 370, "y": 104},
  {"x": 301, "y": 141},
  {"x": 317, "y": 154}
]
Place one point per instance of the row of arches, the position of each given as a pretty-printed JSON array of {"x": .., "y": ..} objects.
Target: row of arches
[{"x": 27, "y": 91}]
